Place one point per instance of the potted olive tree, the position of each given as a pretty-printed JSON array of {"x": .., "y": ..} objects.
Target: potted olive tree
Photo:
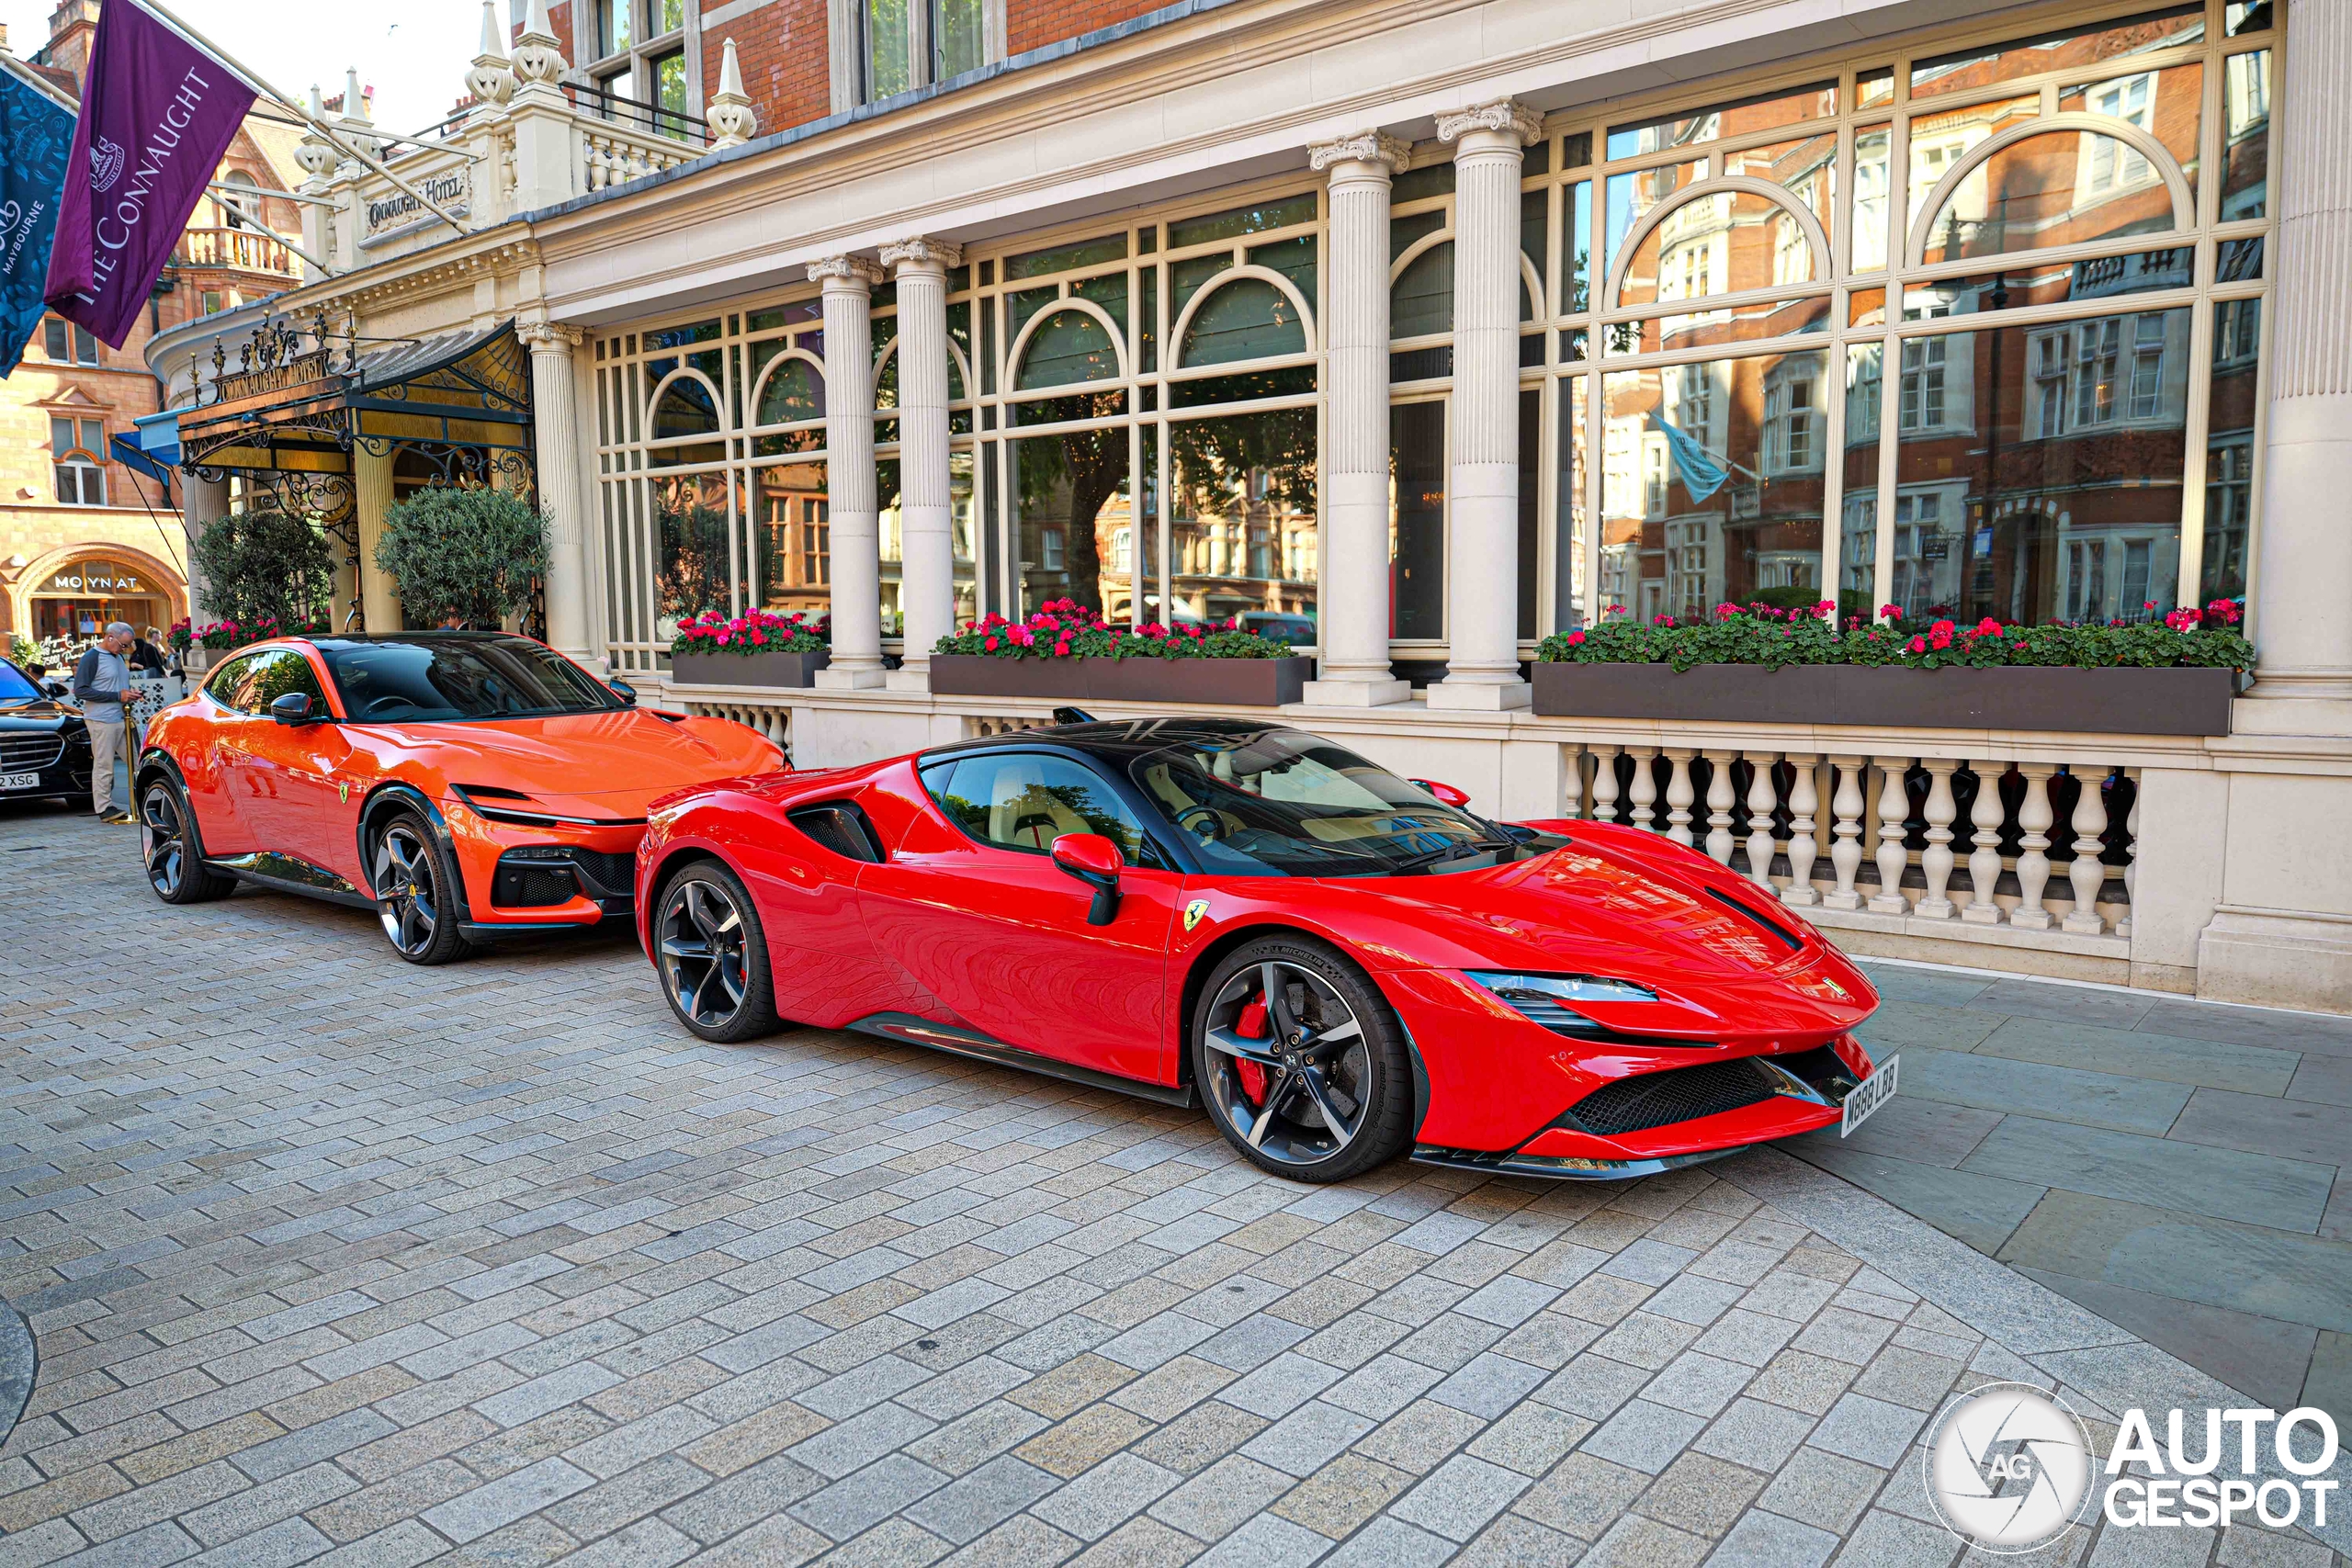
[
  {"x": 463, "y": 556},
  {"x": 266, "y": 572}
]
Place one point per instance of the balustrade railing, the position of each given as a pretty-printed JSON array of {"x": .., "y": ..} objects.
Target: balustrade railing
[
  {"x": 238, "y": 250},
  {"x": 771, "y": 719},
  {"x": 612, "y": 156},
  {"x": 1900, "y": 842}
]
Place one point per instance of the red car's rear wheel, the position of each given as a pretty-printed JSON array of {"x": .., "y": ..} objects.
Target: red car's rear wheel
[{"x": 1301, "y": 1062}]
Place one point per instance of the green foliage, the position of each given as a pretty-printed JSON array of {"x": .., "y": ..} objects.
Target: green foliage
[
  {"x": 468, "y": 553},
  {"x": 264, "y": 564},
  {"x": 1772, "y": 638},
  {"x": 1063, "y": 628}
]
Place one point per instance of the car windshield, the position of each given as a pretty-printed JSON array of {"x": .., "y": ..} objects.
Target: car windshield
[
  {"x": 1287, "y": 804},
  {"x": 409, "y": 682},
  {"x": 14, "y": 686}
]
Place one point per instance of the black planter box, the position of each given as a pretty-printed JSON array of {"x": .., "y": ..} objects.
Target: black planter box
[
  {"x": 2105, "y": 702},
  {"x": 746, "y": 669},
  {"x": 1206, "y": 683}
]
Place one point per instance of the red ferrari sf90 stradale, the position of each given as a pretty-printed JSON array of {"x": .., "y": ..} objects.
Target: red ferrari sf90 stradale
[{"x": 1339, "y": 964}]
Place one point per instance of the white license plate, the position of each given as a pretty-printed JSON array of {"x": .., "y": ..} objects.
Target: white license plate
[
  {"x": 1869, "y": 1095},
  {"x": 19, "y": 781}
]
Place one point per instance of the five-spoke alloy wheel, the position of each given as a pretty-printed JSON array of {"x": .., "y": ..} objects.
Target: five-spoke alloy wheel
[
  {"x": 1301, "y": 1062},
  {"x": 175, "y": 856},
  {"x": 713, "y": 956},
  {"x": 416, "y": 892}
]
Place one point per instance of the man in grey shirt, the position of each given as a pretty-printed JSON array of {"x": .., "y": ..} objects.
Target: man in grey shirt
[{"x": 102, "y": 685}]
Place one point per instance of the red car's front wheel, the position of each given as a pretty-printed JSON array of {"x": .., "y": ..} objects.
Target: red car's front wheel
[
  {"x": 713, "y": 956},
  {"x": 1301, "y": 1063}
]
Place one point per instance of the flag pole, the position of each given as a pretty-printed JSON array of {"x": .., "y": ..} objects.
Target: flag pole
[
  {"x": 254, "y": 80},
  {"x": 37, "y": 82}
]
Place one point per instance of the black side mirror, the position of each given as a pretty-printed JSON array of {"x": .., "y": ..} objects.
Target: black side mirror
[
  {"x": 294, "y": 707},
  {"x": 623, "y": 690}
]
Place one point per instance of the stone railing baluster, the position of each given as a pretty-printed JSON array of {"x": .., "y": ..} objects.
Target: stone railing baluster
[
  {"x": 1721, "y": 798},
  {"x": 1572, "y": 782},
  {"x": 2033, "y": 838},
  {"x": 1936, "y": 862},
  {"x": 1761, "y": 797},
  {"x": 1643, "y": 796},
  {"x": 2087, "y": 874},
  {"x": 1985, "y": 859},
  {"x": 1679, "y": 794},
  {"x": 1846, "y": 805},
  {"x": 1894, "y": 858},
  {"x": 1803, "y": 798},
  {"x": 1604, "y": 784}
]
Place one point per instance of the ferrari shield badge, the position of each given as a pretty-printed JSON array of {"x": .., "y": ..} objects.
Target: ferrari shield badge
[
  {"x": 343, "y": 789},
  {"x": 1194, "y": 912}
]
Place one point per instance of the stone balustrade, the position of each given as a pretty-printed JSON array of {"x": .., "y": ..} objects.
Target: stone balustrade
[
  {"x": 1979, "y": 844},
  {"x": 612, "y": 155}
]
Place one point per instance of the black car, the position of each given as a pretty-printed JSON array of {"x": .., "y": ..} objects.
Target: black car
[{"x": 44, "y": 745}]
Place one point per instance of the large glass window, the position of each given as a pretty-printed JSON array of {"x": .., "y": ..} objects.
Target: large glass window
[{"x": 77, "y": 460}]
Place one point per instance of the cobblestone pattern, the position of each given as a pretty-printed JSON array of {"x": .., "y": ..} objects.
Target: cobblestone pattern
[{"x": 334, "y": 1260}]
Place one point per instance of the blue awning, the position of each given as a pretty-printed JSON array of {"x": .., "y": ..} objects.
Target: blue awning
[{"x": 153, "y": 448}]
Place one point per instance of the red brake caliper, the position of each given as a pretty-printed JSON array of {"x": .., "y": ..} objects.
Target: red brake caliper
[{"x": 1252, "y": 1025}]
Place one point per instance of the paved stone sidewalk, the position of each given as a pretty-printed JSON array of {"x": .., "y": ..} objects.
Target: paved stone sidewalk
[{"x": 334, "y": 1260}]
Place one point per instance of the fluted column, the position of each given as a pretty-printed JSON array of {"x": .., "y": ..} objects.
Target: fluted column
[
  {"x": 1354, "y": 669},
  {"x": 927, "y": 590},
  {"x": 1482, "y": 556},
  {"x": 380, "y": 590},
  {"x": 849, "y": 472},
  {"x": 556, "y": 422},
  {"x": 2304, "y": 578}
]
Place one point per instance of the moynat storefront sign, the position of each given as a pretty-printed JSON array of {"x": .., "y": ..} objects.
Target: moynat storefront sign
[
  {"x": 398, "y": 212},
  {"x": 93, "y": 577}
]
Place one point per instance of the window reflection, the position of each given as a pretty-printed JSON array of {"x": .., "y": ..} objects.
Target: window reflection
[
  {"x": 2246, "y": 142},
  {"x": 2229, "y": 448},
  {"x": 1712, "y": 484},
  {"x": 792, "y": 537},
  {"x": 1417, "y": 521},
  {"x": 1071, "y": 501},
  {"x": 1242, "y": 517},
  {"x": 696, "y": 550},
  {"x": 2038, "y": 469}
]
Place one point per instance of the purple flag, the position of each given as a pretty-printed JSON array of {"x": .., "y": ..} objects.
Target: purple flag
[{"x": 157, "y": 113}]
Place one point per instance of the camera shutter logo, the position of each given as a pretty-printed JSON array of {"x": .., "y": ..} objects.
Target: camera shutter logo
[
  {"x": 105, "y": 165},
  {"x": 2008, "y": 1468}
]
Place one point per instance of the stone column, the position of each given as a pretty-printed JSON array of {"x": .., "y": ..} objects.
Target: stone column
[
  {"x": 1482, "y": 556},
  {"x": 2303, "y": 574},
  {"x": 203, "y": 502},
  {"x": 371, "y": 484},
  {"x": 555, "y": 420},
  {"x": 1354, "y": 614},
  {"x": 849, "y": 472},
  {"x": 927, "y": 585}
]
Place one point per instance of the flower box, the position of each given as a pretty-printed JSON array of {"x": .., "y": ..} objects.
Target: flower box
[
  {"x": 2124, "y": 701},
  {"x": 1203, "y": 682},
  {"x": 747, "y": 668}
]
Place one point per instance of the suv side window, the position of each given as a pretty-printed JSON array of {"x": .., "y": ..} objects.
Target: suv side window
[
  {"x": 1022, "y": 800},
  {"x": 272, "y": 674},
  {"x": 223, "y": 687}
]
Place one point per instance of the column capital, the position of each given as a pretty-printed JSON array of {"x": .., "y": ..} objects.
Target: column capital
[
  {"x": 922, "y": 250},
  {"x": 1363, "y": 147},
  {"x": 845, "y": 271},
  {"x": 1503, "y": 116},
  {"x": 549, "y": 337}
]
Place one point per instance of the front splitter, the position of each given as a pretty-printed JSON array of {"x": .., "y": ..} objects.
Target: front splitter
[{"x": 1565, "y": 1167}]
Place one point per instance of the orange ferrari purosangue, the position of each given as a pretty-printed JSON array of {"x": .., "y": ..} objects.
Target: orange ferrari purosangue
[{"x": 466, "y": 785}]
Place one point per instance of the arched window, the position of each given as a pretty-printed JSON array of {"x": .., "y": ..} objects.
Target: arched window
[
  {"x": 794, "y": 391},
  {"x": 1718, "y": 242},
  {"x": 1421, "y": 299},
  {"x": 1245, "y": 318},
  {"x": 242, "y": 210},
  {"x": 686, "y": 406},
  {"x": 1069, "y": 347},
  {"x": 2062, "y": 187}
]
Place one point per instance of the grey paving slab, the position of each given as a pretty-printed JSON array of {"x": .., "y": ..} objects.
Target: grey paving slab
[
  {"x": 2261, "y": 1356},
  {"x": 2291, "y": 1128},
  {"x": 2161, "y": 1058},
  {"x": 2224, "y": 1184},
  {"x": 1980, "y": 1210},
  {"x": 1998, "y": 1083}
]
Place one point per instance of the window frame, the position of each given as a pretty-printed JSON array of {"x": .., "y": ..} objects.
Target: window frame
[
  {"x": 630, "y": 70},
  {"x": 848, "y": 26}
]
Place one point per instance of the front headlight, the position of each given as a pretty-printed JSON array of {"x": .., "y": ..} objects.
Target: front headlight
[{"x": 1545, "y": 999}]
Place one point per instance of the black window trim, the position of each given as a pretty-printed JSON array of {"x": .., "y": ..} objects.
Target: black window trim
[{"x": 855, "y": 814}]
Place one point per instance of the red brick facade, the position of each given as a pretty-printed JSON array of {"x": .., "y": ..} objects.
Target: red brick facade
[
  {"x": 782, "y": 46},
  {"x": 1033, "y": 24}
]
